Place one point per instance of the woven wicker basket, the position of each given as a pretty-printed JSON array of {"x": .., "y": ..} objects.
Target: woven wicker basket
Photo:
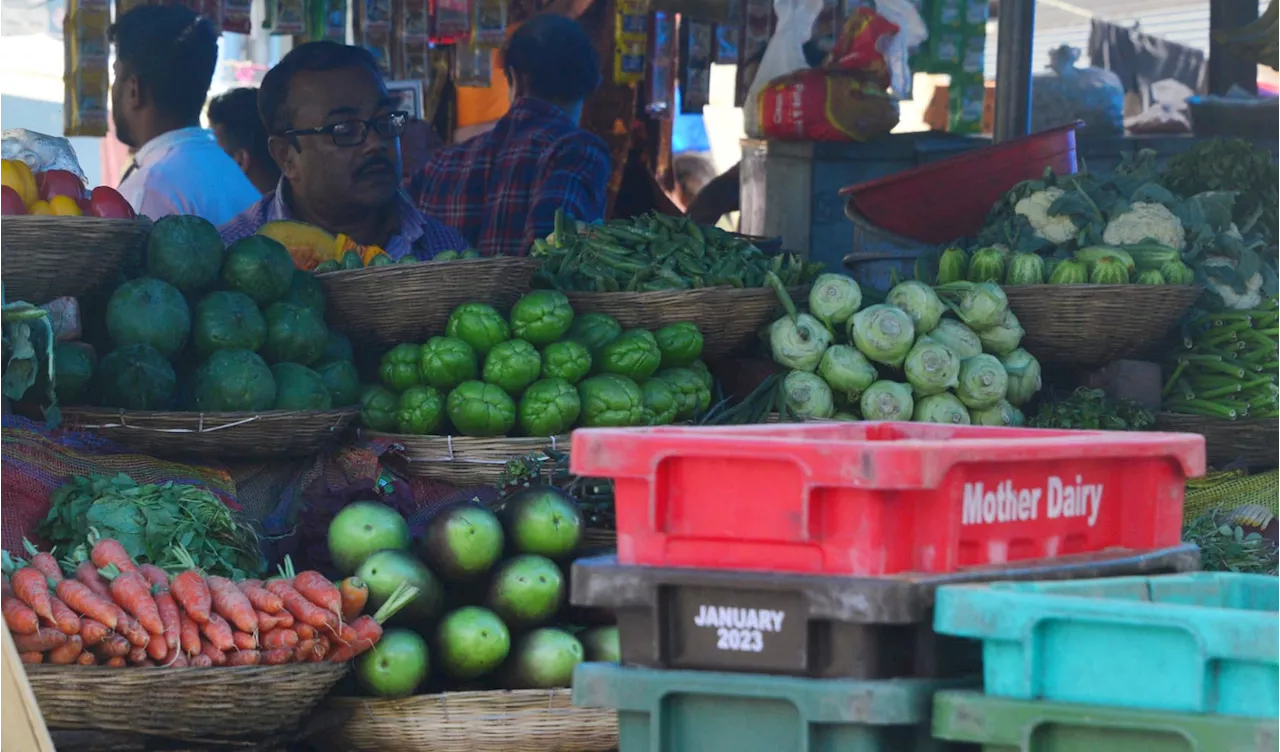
[
  {"x": 1091, "y": 325},
  {"x": 1254, "y": 440},
  {"x": 182, "y": 703},
  {"x": 268, "y": 434},
  {"x": 519, "y": 721},
  {"x": 463, "y": 460},
  {"x": 53, "y": 257},
  {"x": 387, "y": 305},
  {"x": 729, "y": 318}
]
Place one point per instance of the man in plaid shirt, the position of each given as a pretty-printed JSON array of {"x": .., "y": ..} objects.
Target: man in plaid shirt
[{"x": 501, "y": 189}]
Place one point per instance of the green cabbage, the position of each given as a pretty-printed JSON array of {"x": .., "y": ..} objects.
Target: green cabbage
[
  {"x": 931, "y": 367},
  {"x": 1024, "y": 376},
  {"x": 980, "y": 305},
  {"x": 983, "y": 382},
  {"x": 846, "y": 371},
  {"x": 1069, "y": 272},
  {"x": 953, "y": 265},
  {"x": 1150, "y": 277},
  {"x": 1003, "y": 338},
  {"x": 960, "y": 339},
  {"x": 941, "y": 408},
  {"x": 807, "y": 395},
  {"x": 887, "y": 400},
  {"x": 883, "y": 333},
  {"x": 920, "y": 302},
  {"x": 834, "y": 298},
  {"x": 1025, "y": 269},
  {"x": 987, "y": 265},
  {"x": 1003, "y": 414}
]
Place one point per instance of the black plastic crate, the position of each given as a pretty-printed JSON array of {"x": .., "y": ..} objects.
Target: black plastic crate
[{"x": 816, "y": 626}]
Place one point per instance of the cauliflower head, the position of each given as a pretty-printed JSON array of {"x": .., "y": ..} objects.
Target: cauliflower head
[
  {"x": 1056, "y": 228},
  {"x": 1237, "y": 301},
  {"x": 1145, "y": 220}
]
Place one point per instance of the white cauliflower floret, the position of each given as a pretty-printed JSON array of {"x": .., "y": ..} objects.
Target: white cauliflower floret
[
  {"x": 1142, "y": 221},
  {"x": 1251, "y": 297},
  {"x": 1055, "y": 228}
]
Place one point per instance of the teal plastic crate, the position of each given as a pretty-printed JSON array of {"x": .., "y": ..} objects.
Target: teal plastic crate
[
  {"x": 1002, "y": 725},
  {"x": 1193, "y": 643},
  {"x": 695, "y": 711}
]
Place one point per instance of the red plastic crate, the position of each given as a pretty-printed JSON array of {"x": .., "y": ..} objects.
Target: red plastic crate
[
  {"x": 961, "y": 190},
  {"x": 883, "y": 498}
]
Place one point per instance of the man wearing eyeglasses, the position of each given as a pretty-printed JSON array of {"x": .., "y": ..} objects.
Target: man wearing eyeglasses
[{"x": 335, "y": 134}]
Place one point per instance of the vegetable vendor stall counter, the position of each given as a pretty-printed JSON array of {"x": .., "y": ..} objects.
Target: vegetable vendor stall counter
[{"x": 791, "y": 189}]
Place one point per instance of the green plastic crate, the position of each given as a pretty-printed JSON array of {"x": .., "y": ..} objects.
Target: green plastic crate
[
  {"x": 695, "y": 711},
  {"x": 1002, "y": 725}
]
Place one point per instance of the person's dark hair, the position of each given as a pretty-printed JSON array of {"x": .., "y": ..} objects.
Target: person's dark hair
[
  {"x": 237, "y": 112},
  {"x": 310, "y": 57},
  {"x": 553, "y": 56},
  {"x": 691, "y": 166},
  {"x": 173, "y": 52}
]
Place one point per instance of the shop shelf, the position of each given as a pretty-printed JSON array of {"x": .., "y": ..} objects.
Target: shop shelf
[
  {"x": 1188, "y": 643},
  {"x": 692, "y": 711},
  {"x": 1002, "y": 725},
  {"x": 873, "y": 498}
]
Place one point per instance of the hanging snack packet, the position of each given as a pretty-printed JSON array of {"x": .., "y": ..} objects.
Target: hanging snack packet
[
  {"x": 452, "y": 21},
  {"x": 660, "y": 97},
  {"x": 473, "y": 66},
  {"x": 630, "y": 40},
  {"x": 696, "y": 44},
  {"x": 489, "y": 23},
  {"x": 236, "y": 16},
  {"x": 87, "y": 86}
]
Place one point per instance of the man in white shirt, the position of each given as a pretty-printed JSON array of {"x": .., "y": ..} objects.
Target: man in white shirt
[{"x": 165, "y": 57}]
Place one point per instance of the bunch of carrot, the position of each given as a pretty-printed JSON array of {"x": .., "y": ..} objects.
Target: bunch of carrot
[{"x": 111, "y": 611}]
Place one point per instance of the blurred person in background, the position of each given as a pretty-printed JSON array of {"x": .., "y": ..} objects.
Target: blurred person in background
[
  {"x": 692, "y": 173},
  {"x": 165, "y": 58},
  {"x": 239, "y": 131}
]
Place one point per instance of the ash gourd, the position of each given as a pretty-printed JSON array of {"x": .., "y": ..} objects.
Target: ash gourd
[{"x": 1005, "y": 502}]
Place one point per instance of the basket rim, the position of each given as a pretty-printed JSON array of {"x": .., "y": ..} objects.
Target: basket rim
[
  {"x": 718, "y": 290},
  {"x": 220, "y": 420},
  {"x": 1103, "y": 289},
  {"x": 321, "y": 668},
  {"x": 374, "y": 271},
  {"x": 455, "y": 448},
  {"x": 61, "y": 220},
  {"x": 1163, "y": 415},
  {"x": 441, "y": 699}
]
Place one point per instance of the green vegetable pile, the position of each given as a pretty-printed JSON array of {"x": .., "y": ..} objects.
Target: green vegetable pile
[
  {"x": 1231, "y": 165},
  {"x": 150, "y": 521},
  {"x": 941, "y": 355},
  {"x": 1091, "y": 409},
  {"x": 1227, "y": 367},
  {"x": 539, "y": 371},
  {"x": 655, "y": 252}
]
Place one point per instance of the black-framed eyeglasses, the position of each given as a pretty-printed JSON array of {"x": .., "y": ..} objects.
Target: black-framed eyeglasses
[{"x": 354, "y": 132}]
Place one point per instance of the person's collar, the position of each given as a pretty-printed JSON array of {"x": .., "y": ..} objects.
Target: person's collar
[
  {"x": 539, "y": 108},
  {"x": 162, "y": 144},
  {"x": 280, "y": 203}
]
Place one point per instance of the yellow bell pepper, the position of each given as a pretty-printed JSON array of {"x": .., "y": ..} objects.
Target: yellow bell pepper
[
  {"x": 64, "y": 206},
  {"x": 15, "y": 174},
  {"x": 41, "y": 207},
  {"x": 368, "y": 252}
]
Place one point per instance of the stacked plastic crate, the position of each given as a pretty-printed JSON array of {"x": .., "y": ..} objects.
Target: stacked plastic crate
[
  {"x": 1158, "y": 664},
  {"x": 774, "y": 585}
]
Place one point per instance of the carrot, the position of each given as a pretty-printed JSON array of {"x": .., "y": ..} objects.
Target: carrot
[
  {"x": 368, "y": 629},
  {"x": 244, "y": 640},
  {"x": 317, "y": 588},
  {"x": 43, "y": 562},
  {"x": 192, "y": 593},
  {"x": 201, "y": 661},
  {"x": 355, "y": 594},
  {"x": 157, "y": 648},
  {"x": 134, "y": 632},
  {"x": 154, "y": 575},
  {"x": 216, "y": 656},
  {"x": 66, "y": 653},
  {"x": 341, "y": 653},
  {"x": 285, "y": 620},
  {"x": 250, "y": 582},
  {"x": 137, "y": 655},
  {"x": 145, "y": 663},
  {"x": 189, "y": 635},
  {"x": 92, "y": 631},
  {"x": 302, "y": 609},
  {"x": 113, "y": 646},
  {"x": 115, "y": 661},
  {"x": 321, "y": 649},
  {"x": 179, "y": 661},
  {"x": 86, "y": 658},
  {"x": 233, "y": 605},
  {"x": 280, "y": 638},
  {"x": 44, "y": 639},
  {"x": 244, "y": 658},
  {"x": 302, "y": 653},
  {"x": 262, "y": 599},
  {"x": 108, "y": 551},
  {"x": 82, "y": 599},
  {"x": 19, "y": 616},
  {"x": 267, "y": 622},
  {"x": 32, "y": 588},
  {"x": 170, "y": 617},
  {"x": 131, "y": 591},
  {"x": 31, "y": 657},
  {"x": 218, "y": 632},
  {"x": 305, "y": 631},
  {"x": 88, "y": 576},
  {"x": 64, "y": 617},
  {"x": 276, "y": 656}
]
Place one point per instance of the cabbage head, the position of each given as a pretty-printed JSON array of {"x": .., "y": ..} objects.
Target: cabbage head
[
  {"x": 807, "y": 395},
  {"x": 887, "y": 400},
  {"x": 920, "y": 302},
  {"x": 799, "y": 342},
  {"x": 834, "y": 298},
  {"x": 960, "y": 339},
  {"x": 980, "y": 305},
  {"x": 846, "y": 371},
  {"x": 941, "y": 408},
  {"x": 883, "y": 333},
  {"x": 983, "y": 382},
  {"x": 1003, "y": 338},
  {"x": 1024, "y": 376},
  {"x": 931, "y": 367},
  {"x": 1003, "y": 414}
]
